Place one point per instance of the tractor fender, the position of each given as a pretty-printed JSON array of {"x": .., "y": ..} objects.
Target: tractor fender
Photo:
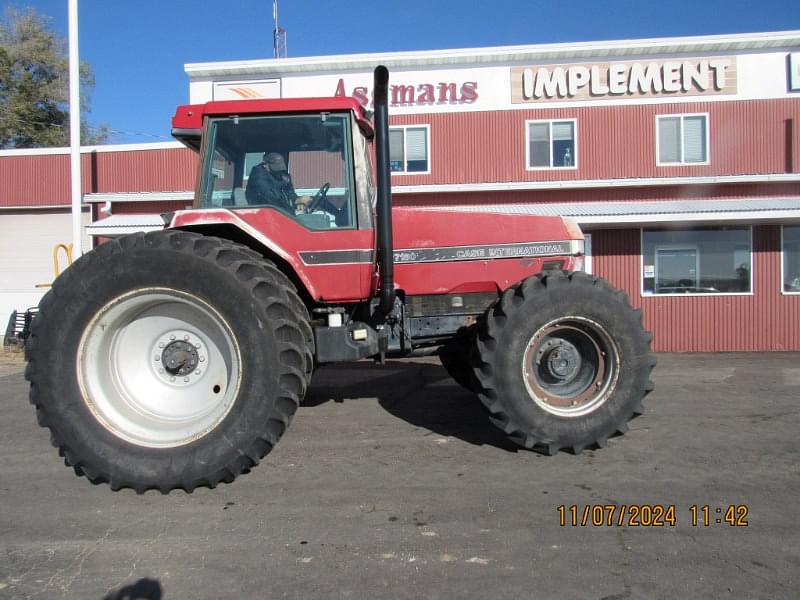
[{"x": 216, "y": 221}]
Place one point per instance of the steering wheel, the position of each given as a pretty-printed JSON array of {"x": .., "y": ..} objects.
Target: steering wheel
[{"x": 317, "y": 199}]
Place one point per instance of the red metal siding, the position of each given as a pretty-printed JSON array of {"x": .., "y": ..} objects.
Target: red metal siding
[
  {"x": 43, "y": 180},
  {"x": 171, "y": 170},
  {"x": 614, "y": 142},
  {"x": 34, "y": 180},
  {"x": 765, "y": 321}
]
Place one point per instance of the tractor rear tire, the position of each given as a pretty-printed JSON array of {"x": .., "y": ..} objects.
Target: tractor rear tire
[
  {"x": 563, "y": 361},
  {"x": 168, "y": 360}
]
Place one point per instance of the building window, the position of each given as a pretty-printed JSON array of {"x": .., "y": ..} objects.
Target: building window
[
  {"x": 791, "y": 259},
  {"x": 703, "y": 260},
  {"x": 682, "y": 139},
  {"x": 408, "y": 149},
  {"x": 551, "y": 144}
]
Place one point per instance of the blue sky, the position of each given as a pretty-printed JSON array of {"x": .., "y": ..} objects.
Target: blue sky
[{"x": 138, "y": 48}]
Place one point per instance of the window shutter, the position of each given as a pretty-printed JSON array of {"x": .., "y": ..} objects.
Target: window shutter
[
  {"x": 540, "y": 132},
  {"x": 563, "y": 131},
  {"x": 669, "y": 140},
  {"x": 694, "y": 139},
  {"x": 417, "y": 144}
]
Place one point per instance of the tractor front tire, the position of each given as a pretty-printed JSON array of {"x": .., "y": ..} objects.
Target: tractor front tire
[
  {"x": 562, "y": 361},
  {"x": 168, "y": 360}
]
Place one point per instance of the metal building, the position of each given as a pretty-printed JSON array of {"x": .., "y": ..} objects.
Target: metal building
[{"x": 679, "y": 158}]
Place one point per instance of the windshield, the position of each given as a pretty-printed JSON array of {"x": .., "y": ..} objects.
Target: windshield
[{"x": 297, "y": 164}]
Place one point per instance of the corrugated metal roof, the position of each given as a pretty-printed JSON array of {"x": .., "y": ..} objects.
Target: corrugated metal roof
[
  {"x": 651, "y": 212},
  {"x": 117, "y": 225}
]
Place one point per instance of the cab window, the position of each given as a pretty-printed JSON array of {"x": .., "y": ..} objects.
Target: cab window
[{"x": 299, "y": 165}]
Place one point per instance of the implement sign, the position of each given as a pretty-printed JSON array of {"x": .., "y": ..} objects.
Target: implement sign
[{"x": 626, "y": 80}]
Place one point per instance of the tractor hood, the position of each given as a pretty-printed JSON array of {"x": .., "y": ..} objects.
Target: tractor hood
[{"x": 447, "y": 251}]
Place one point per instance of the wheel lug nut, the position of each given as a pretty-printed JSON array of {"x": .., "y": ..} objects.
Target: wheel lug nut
[
  {"x": 186, "y": 338},
  {"x": 186, "y": 380},
  {"x": 197, "y": 372},
  {"x": 161, "y": 371},
  {"x": 202, "y": 359},
  {"x": 172, "y": 337},
  {"x": 156, "y": 358},
  {"x": 161, "y": 345},
  {"x": 172, "y": 379}
]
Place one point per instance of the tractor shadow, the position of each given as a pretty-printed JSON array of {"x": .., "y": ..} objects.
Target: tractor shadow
[
  {"x": 143, "y": 589},
  {"x": 420, "y": 393}
]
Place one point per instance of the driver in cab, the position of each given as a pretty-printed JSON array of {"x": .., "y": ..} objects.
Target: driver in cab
[{"x": 270, "y": 183}]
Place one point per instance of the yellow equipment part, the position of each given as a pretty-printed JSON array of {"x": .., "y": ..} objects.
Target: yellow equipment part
[{"x": 56, "y": 267}]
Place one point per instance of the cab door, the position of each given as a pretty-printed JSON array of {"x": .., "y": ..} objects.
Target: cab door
[{"x": 321, "y": 219}]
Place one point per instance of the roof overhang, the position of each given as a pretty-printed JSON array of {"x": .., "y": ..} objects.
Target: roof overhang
[
  {"x": 662, "y": 212},
  {"x": 172, "y": 145},
  {"x": 570, "y": 51},
  {"x": 119, "y": 225},
  {"x": 106, "y": 197},
  {"x": 595, "y": 183}
]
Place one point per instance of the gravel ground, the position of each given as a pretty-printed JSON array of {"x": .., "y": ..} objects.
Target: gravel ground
[{"x": 390, "y": 483}]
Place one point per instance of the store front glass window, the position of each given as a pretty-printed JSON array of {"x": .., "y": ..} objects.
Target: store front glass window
[
  {"x": 705, "y": 260},
  {"x": 791, "y": 259}
]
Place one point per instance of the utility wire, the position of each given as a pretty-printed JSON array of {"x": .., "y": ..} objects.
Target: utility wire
[{"x": 92, "y": 128}]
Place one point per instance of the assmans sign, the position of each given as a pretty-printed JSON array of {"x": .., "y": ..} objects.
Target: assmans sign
[{"x": 599, "y": 81}]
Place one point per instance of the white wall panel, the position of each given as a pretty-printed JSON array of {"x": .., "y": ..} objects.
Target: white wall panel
[{"x": 26, "y": 255}]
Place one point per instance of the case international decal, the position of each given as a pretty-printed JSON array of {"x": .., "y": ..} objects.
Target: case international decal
[{"x": 624, "y": 80}]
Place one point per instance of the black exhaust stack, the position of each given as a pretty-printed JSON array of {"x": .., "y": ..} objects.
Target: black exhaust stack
[{"x": 384, "y": 208}]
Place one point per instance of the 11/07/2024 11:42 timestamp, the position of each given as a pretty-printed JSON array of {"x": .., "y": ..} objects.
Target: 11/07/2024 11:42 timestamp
[{"x": 651, "y": 515}]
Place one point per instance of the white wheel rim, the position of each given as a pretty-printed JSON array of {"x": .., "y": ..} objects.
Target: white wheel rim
[{"x": 128, "y": 386}]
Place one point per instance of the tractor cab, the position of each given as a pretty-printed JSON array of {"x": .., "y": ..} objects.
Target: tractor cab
[
  {"x": 308, "y": 161},
  {"x": 293, "y": 179}
]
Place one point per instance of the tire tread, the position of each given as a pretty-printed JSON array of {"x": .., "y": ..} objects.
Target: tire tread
[
  {"x": 252, "y": 269},
  {"x": 485, "y": 355}
]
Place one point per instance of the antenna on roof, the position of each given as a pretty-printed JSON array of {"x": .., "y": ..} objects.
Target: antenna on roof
[{"x": 279, "y": 34}]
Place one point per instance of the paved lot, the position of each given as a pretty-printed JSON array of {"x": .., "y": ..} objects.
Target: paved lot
[{"x": 391, "y": 484}]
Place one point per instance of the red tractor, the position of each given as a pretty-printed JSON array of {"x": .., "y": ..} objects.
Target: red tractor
[{"x": 176, "y": 358}]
